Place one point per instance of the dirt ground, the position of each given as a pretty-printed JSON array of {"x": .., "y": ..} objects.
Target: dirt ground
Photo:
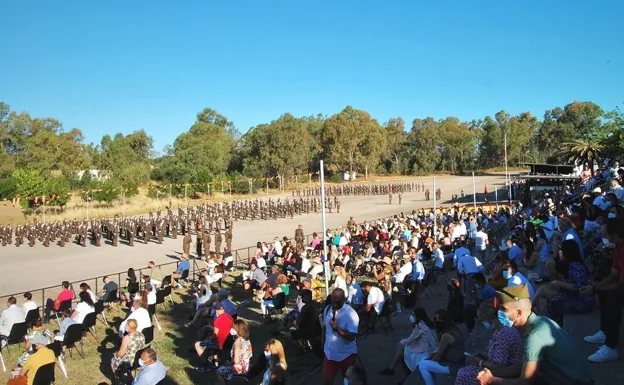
[{"x": 26, "y": 268}]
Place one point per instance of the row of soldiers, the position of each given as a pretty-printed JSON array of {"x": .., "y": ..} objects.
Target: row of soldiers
[{"x": 362, "y": 189}]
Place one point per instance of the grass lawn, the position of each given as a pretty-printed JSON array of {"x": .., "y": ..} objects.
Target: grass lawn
[{"x": 172, "y": 344}]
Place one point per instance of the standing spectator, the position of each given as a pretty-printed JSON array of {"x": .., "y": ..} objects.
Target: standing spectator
[
  {"x": 29, "y": 304},
  {"x": 11, "y": 315},
  {"x": 450, "y": 354},
  {"x": 374, "y": 303},
  {"x": 131, "y": 343},
  {"x": 275, "y": 356},
  {"x": 241, "y": 353},
  {"x": 84, "y": 307},
  {"x": 109, "y": 287},
  {"x": 418, "y": 274},
  {"x": 152, "y": 370},
  {"x": 481, "y": 243},
  {"x": 54, "y": 305},
  {"x": 341, "y": 326}
]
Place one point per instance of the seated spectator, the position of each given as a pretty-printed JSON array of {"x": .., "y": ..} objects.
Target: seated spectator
[
  {"x": 498, "y": 281},
  {"x": 449, "y": 357},
  {"x": 514, "y": 252},
  {"x": 183, "y": 266},
  {"x": 420, "y": 344},
  {"x": 276, "y": 359},
  {"x": 355, "y": 297},
  {"x": 282, "y": 282},
  {"x": 155, "y": 274},
  {"x": 217, "y": 334},
  {"x": 87, "y": 289},
  {"x": 340, "y": 281},
  {"x": 292, "y": 316},
  {"x": 84, "y": 307},
  {"x": 455, "y": 303},
  {"x": 66, "y": 322},
  {"x": 504, "y": 354},
  {"x": 36, "y": 330},
  {"x": 131, "y": 343},
  {"x": 29, "y": 304},
  {"x": 54, "y": 305},
  {"x": 241, "y": 353},
  {"x": 42, "y": 356},
  {"x": 560, "y": 297},
  {"x": 228, "y": 259},
  {"x": 108, "y": 289},
  {"x": 550, "y": 357},
  {"x": 530, "y": 268},
  {"x": 139, "y": 313},
  {"x": 515, "y": 278},
  {"x": 404, "y": 271},
  {"x": 228, "y": 305},
  {"x": 307, "y": 318},
  {"x": 152, "y": 370},
  {"x": 482, "y": 292},
  {"x": 131, "y": 287},
  {"x": 254, "y": 281},
  {"x": 374, "y": 303},
  {"x": 11, "y": 315},
  {"x": 438, "y": 257}
]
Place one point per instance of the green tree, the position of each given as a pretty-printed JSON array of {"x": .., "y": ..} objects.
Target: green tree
[
  {"x": 107, "y": 192},
  {"x": 396, "y": 145},
  {"x": 57, "y": 191},
  {"x": 28, "y": 185},
  {"x": 423, "y": 140}
]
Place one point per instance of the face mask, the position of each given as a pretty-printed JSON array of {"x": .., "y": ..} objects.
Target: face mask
[
  {"x": 233, "y": 332},
  {"x": 477, "y": 286},
  {"x": 611, "y": 216},
  {"x": 141, "y": 362},
  {"x": 488, "y": 325},
  {"x": 346, "y": 381},
  {"x": 538, "y": 236},
  {"x": 412, "y": 319},
  {"x": 504, "y": 319},
  {"x": 267, "y": 355},
  {"x": 506, "y": 274},
  {"x": 606, "y": 241}
]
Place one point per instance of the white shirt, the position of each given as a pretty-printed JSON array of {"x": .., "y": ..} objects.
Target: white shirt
[
  {"x": 277, "y": 245},
  {"x": 83, "y": 309},
  {"x": 305, "y": 265},
  {"x": 142, "y": 318},
  {"x": 403, "y": 272},
  {"x": 340, "y": 283},
  {"x": 518, "y": 280},
  {"x": 376, "y": 298},
  {"x": 438, "y": 256},
  {"x": 337, "y": 348},
  {"x": 354, "y": 294},
  {"x": 151, "y": 298},
  {"x": 467, "y": 264},
  {"x": 481, "y": 240},
  {"x": 10, "y": 316},
  {"x": 29, "y": 305}
]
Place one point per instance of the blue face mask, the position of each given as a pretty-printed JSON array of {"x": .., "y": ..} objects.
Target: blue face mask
[
  {"x": 477, "y": 286},
  {"x": 412, "y": 319},
  {"x": 488, "y": 325},
  {"x": 611, "y": 216},
  {"x": 346, "y": 381},
  {"x": 504, "y": 319},
  {"x": 506, "y": 274}
]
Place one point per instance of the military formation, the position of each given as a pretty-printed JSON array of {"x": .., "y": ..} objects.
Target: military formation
[
  {"x": 212, "y": 222},
  {"x": 361, "y": 189}
]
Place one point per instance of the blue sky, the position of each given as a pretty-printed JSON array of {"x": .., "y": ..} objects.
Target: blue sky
[{"x": 119, "y": 66}]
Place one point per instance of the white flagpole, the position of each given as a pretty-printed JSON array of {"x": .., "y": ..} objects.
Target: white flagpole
[
  {"x": 496, "y": 196},
  {"x": 326, "y": 263},
  {"x": 435, "y": 212},
  {"x": 474, "y": 194}
]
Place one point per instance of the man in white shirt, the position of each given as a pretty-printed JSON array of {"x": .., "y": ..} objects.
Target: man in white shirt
[
  {"x": 374, "y": 303},
  {"x": 515, "y": 278},
  {"x": 11, "y": 315},
  {"x": 404, "y": 271},
  {"x": 355, "y": 297},
  {"x": 341, "y": 327},
  {"x": 140, "y": 314},
  {"x": 481, "y": 243}
]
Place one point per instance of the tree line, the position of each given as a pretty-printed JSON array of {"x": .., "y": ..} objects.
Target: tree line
[{"x": 38, "y": 156}]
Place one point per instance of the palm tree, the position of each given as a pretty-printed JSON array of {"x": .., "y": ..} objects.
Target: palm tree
[{"x": 582, "y": 151}]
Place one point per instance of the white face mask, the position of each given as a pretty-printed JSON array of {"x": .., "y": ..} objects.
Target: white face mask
[
  {"x": 611, "y": 216},
  {"x": 141, "y": 362},
  {"x": 412, "y": 319},
  {"x": 267, "y": 355},
  {"x": 606, "y": 241},
  {"x": 233, "y": 332}
]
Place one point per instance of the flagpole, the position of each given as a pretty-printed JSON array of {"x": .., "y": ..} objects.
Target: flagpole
[
  {"x": 507, "y": 172},
  {"x": 474, "y": 194},
  {"x": 496, "y": 196},
  {"x": 435, "y": 212},
  {"x": 323, "y": 219}
]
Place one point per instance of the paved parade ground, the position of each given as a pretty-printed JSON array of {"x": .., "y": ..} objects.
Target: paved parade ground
[{"x": 27, "y": 268}]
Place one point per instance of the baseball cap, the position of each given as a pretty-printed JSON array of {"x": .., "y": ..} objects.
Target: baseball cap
[
  {"x": 219, "y": 306},
  {"x": 39, "y": 340}
]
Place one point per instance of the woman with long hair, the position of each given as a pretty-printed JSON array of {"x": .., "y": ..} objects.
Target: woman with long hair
[
  {"x": 86, "y": 288},
  {"x": 241, "y": 353},
  {"x": 449, "y": 356},
  {"x": 131, "y": 287},
  {"x": 84, "y": 307},
  {"x": 276, "y": 359},
  {"x": 420, "y": 344}
]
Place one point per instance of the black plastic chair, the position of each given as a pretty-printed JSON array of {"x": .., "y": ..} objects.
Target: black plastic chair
[
  {"x": 279, "y": 304},
  {"x": 99, "y": 309},
  {"x": 88, "y": 324},
  {"x": 16, "y": 336},
  {"x": 65, "y": 305},
  {"x": 148, "y": 333},
  {"x": 32, "y": 315},
  {"x": 45, "y": 375},
  {"x": 112, "y": 297},
  {"x": 162, "y": 295},
  {"x": 386, "y": 312},
  {"x": 73, "y": 335}
]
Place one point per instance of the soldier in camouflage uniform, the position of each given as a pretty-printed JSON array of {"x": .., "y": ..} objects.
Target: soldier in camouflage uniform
[{"x": 218, "y": 241}]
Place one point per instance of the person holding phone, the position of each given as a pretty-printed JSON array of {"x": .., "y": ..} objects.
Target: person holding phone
[{"x": 504, "y": 354}]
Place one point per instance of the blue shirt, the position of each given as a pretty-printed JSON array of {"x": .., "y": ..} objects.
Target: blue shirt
[
  {"x": 486, "y": 292},
  {"x": 515, "y": 254},
  {"x": 418, "y": 271},
  {"x": 151, "y": 375},
  {"x": 183, "y": 265}
]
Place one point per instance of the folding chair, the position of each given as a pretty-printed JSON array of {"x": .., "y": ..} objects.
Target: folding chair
[
  {"x": 88, "y": 324},
  {"x": 44, "y": 375},
  {"x": 99, "y": 309},
  {"x": 386, "y": 312},
  {"x": 57, "y": 348},
  {"x": 112, "y": 297},
  {"x": 32, "y": 315},
  {"x": 151, "y": 309},
  {"x": 162, "y": 295},
  {"x": 148, "y": 333},
  {"x": 65, "y": 305},
  {"x": 17, "y": 334},
  {"x": 73, "y": 334}
]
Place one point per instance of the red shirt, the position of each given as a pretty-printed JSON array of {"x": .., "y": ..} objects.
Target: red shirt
[
  {"x": 224, "y": 324},
  {"x": 618, "y": 258},
  {"x": 65, "y": 295}
]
